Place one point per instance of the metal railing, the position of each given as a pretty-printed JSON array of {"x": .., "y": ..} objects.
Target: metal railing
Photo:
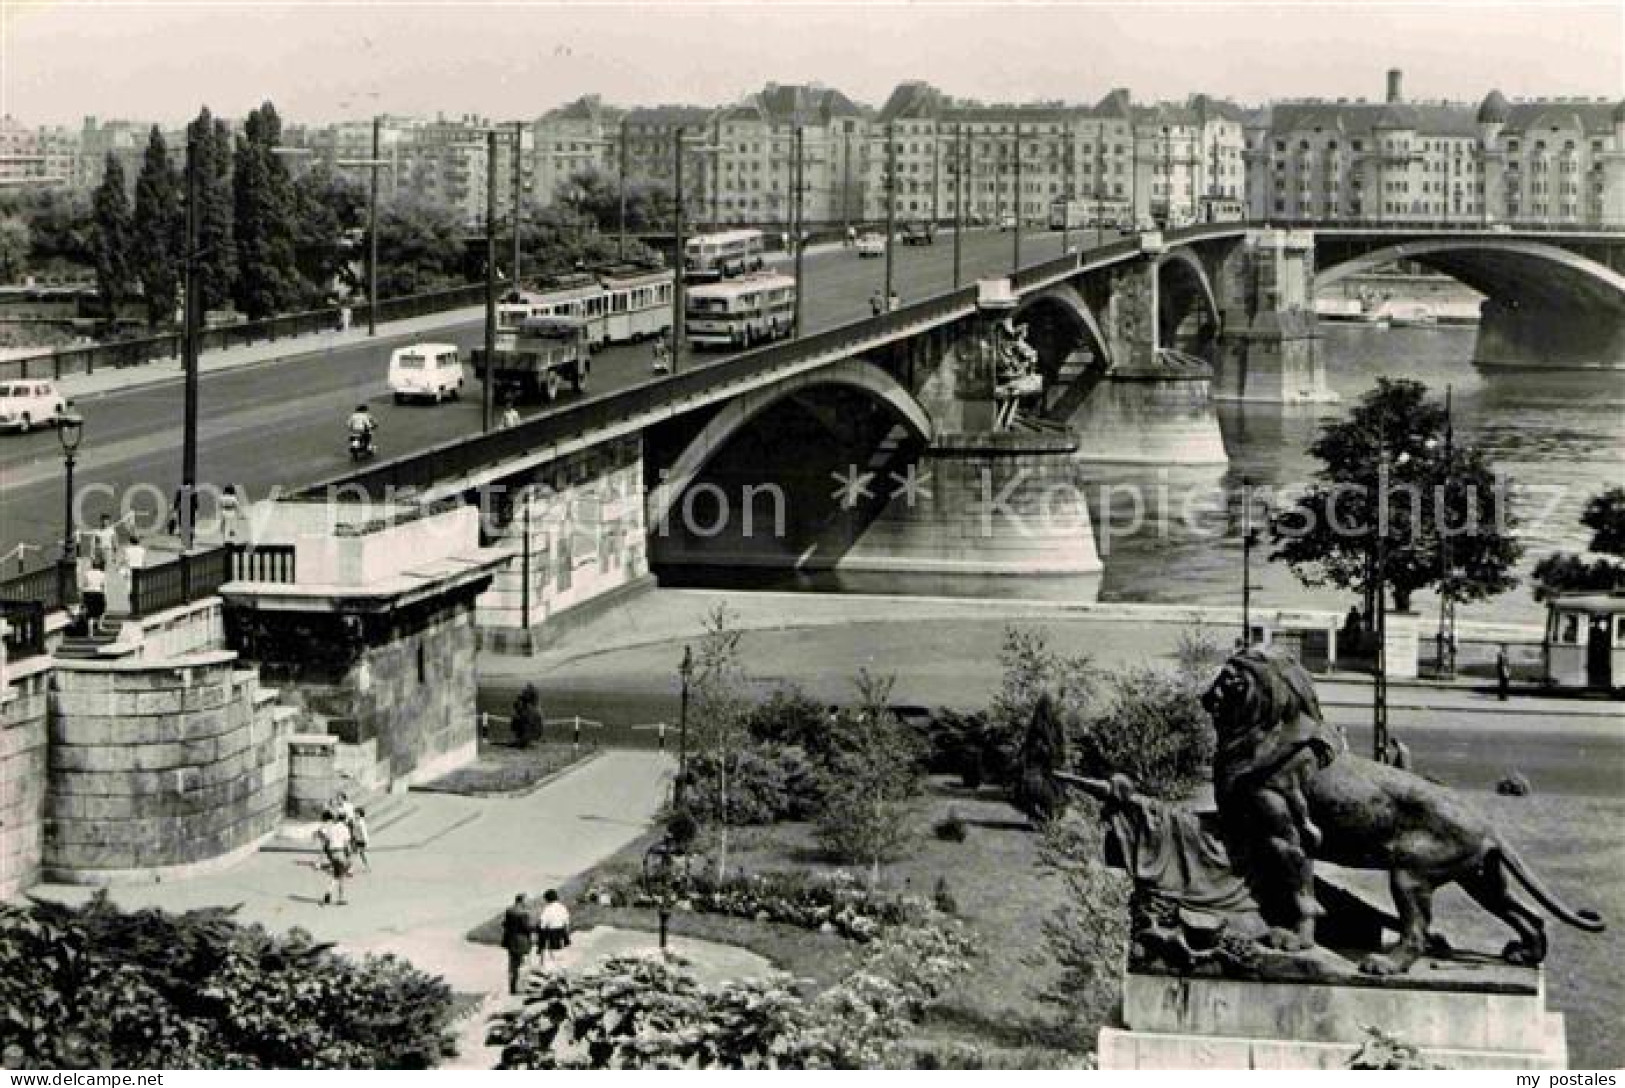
[
  {"x": 186, "y": 578},
  {"x": 167, "y": 345},
  {"x": 45, "y": 586}
]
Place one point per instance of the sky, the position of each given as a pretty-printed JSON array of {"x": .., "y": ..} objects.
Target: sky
[{"x": 328, "y": 61}]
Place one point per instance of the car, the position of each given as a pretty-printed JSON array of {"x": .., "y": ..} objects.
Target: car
[
  {"x": 433, "y": 372},
  {"x": 1007, "y": 221},
  {"x": 872, "y": 244},
  {"x": 27, "y": 404},
  {"x": 920, "y": 233}
]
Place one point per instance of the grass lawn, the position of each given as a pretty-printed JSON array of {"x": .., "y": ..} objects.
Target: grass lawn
[
  {"x": 1577, "y": 846},
  {"x": 501, "y": 770}
]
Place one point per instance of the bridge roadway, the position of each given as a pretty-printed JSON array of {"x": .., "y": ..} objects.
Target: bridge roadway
[{"x": 279, "y": 425}]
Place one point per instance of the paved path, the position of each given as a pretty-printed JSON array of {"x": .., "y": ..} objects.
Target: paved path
[{"x": 449, "y": 864}]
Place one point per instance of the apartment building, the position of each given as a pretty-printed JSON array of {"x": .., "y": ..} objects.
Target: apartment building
[{"x": 1545, "y": 162}]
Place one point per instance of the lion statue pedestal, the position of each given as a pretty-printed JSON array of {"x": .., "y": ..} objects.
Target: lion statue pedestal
[
  {"x": 1460, "y": 1016},
  {"x": 1243, "y": 955}
]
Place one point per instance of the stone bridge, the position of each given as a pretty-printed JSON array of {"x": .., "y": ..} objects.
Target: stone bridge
[{"x": 882, "y": 448}]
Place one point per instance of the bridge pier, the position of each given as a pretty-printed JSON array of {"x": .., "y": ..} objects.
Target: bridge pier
[
  {"x": 1150, "y": 416},
  {"x": 1269, "y": 350},
  {"x": 1514, "y": 334}
]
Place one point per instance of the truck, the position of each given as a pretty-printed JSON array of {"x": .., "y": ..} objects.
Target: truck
[{"x": 537, "y": 357}]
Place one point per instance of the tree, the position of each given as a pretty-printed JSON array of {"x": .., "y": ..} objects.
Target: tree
[
  {"x": 158, "y": 229},
  {"x": 1565, "y": 572},
  {"x": 1385, "y": 476},
  {"x": 59, "y": 223},
  {"x": 1043, "y": 752},
  {"x": 719, "y": 712},
  {"x": 14, "y": 243},
  {"x": 209, "y": 140},
  {"x": 263, "y": 223},
  {"x": 111, "y": 209},
  {"x": 873, "y": 778},
  {"x": 420, "y": 248},
  {"x": 328, "y": 209},
  {"x": 595, "y": 195}
]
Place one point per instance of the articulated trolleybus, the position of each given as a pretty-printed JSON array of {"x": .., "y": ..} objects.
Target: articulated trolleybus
[
  {"x": 727, "y": 253},
  {"x": 617, "y": 305},
  {"x": 740, "y": 313}
]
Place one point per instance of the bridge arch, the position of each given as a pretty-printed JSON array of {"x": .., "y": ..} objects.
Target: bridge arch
[
  {"x": 737, "y": 413},
  {"x": 1532, "y": 272},
  {"x": 1065, "y": 301},
  {"x": 1184, "y": 290}
]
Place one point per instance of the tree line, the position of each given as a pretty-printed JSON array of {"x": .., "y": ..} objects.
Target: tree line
[{"x": 269, "y": 242}]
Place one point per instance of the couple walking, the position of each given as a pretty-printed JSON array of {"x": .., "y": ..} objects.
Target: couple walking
[
  {"x": 524, "y": 932},
  {"x": 343, "y": 838}
]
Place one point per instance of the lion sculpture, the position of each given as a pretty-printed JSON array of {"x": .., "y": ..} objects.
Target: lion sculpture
[{"x": 1289, "y": 792}]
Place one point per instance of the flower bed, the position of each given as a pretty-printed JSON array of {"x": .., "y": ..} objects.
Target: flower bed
[{"x": 830, "y": 904}]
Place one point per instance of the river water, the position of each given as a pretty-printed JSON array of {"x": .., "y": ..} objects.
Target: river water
[{"x": 1559, "y": 436}]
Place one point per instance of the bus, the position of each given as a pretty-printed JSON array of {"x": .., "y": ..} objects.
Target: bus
[
  {"x": 725, "y": 254},
  {"x": 536, "y": 356},
  {"x": 739, "y": 313},
  {"x": 619, "y": 304},
  {"x": 1222, "y": 209}
]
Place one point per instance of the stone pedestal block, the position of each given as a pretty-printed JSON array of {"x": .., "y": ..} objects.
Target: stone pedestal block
[
  {"x": 1131, "y": 421},
  {"x": 1477, "y": 1016}
]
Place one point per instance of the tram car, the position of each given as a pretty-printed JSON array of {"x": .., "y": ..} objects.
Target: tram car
[
  {"x": 620, "y": 304},
  {"x": 1584, "y": 648}
]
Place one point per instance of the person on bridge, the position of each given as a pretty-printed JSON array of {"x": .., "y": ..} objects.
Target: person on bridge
[
  {"x": 851, "y": 237},
  {"x": 877, "y": 304},
  {"x": 662, "y": 357},
  {"x": 894, "y": 303},
  {"x": 362, "y": 424},
  {"x": 510, "y": 414}
]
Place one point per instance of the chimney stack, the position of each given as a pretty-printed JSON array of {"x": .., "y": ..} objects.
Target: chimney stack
[{"x": 1395, "y": 78}]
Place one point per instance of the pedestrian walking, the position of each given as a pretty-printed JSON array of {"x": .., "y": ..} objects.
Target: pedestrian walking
[
  {"x": 518, "y": 929},
  {"x": 553, "y": 927},
  {"x": 231, "y": 508},
  {"x": 851, "y": 237},
  {"x": 894, "y": 303},
  {"x": 1503, "y": 675},
  {"x": 104, "y": 543},
  {"x": 334, "y": 837},
  {"x": 93, "y": 592},
  {"x": 360, "y": 838},
  {"x": 510, "y": 415},
  {"x": 877, "y": 304}
]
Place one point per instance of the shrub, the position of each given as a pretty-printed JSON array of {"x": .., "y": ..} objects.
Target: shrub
[
  {"x": 1151, "y": 727},
  {"x": 766, "y": 783},
  {"x": 96, "y": 987},
  {"x": 1036, "y": 793},
  {"x": 942, "y": 897},
  {"x": 964, "y": 745},
  {"x": 950, "y": 828},
  {"x": 1087, "y": 937},
  {"x": 649, "y": 1013},
  {"x": 790, "y": 716}
]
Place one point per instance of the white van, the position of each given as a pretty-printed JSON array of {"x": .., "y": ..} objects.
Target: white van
[{"x": 432, "y": 371}]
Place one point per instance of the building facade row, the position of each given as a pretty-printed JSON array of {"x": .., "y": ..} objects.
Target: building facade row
[{"x": 924, "y": 154}]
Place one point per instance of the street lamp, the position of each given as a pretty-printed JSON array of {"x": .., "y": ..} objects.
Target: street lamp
[
  {"x": 685, "y": 670},
  {"x": 660, "y": 880},
  {"x": 69, "y": 431}
]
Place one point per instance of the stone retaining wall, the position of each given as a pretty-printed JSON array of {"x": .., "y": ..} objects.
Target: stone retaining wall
[
  {"x": 22, "y": 779},
  {"x": 159, "y": 769}
]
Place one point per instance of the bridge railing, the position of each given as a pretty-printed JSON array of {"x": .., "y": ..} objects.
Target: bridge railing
[
  {"x": 460, "y": 457},
  {"x": 164, "y": 346}
]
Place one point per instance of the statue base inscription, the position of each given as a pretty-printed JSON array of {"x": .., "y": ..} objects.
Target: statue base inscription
[{"x": 1460, "y": 1014}]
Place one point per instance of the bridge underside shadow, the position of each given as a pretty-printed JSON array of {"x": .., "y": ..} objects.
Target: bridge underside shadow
[
  {"x": 1545, "y": 306},
  {"x": 830, "y": 486}
]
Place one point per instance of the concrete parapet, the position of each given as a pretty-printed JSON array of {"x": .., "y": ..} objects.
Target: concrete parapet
[
  {"x": 158, "y": 768},
  {"x": 23, "y": 709}
]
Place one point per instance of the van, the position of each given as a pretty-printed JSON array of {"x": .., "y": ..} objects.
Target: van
[{"x": 427, "y": 371}]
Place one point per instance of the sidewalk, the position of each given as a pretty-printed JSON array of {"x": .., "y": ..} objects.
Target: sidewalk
[
  {"x": 117, "y": 379},
  {"x": 448, "y": 864}
]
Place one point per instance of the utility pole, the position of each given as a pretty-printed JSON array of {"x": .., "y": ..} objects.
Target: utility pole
[
  {"x": 846, "y": 179},
  {"x": 960, "y": 166},
  {"x": 372, "y": 232},
  {"x": 891, "y": 204},
  {"x": 1447, "y": 577},
  {"x": 187, "y": 514},
  {"x": 1015, "y": 252},
  {"x": 678, "y": 282},
  {"x": 620, "y": 233},
  {"x": 488, "y": 387},
  {"x": 1379, "y": 685},
  {"x": 799, "y": 229},
  {"x": 518, "y": 192}
]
